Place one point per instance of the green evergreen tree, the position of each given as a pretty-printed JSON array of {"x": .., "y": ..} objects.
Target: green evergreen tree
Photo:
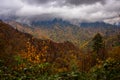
[
  {"x": 99, "y": 47},
  {"x": 98, "y": 43}
]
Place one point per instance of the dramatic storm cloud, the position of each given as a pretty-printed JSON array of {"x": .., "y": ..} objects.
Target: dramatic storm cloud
[
  {"x": 72, "y": 2},
  {"x": 79, "y": 10}
]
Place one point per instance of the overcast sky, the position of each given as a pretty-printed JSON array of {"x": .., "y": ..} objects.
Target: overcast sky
[{"x": 80, "y": 10}]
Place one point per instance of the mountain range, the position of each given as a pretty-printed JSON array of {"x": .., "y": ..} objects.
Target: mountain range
[
  {"x": 60, "y": 30},
  {"x": 22, "y": 50}
]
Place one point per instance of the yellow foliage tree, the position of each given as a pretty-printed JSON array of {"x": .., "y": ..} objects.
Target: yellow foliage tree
[{"x": 31, "y": 54}]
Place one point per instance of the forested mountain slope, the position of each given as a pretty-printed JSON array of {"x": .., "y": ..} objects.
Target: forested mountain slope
[
  {"x": 60, "y": 31},
  {"x": 13, "y": 42}
]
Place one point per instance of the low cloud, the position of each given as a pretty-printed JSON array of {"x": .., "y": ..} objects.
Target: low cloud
[{"x": 79, "y": 10}]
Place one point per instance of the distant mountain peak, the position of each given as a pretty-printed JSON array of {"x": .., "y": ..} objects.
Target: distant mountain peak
[
  {"x": 95, "y": 24},
  {"x": 1, "y": 21},
  {"x": 48, "y": 23}
]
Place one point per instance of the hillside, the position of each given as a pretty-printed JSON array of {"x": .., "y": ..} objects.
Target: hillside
[
  {"x": 12, "y": 42},
  {"x": 60, "y": 31}
]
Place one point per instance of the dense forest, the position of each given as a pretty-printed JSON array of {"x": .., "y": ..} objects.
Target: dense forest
[{"x": 26, "y": 57}]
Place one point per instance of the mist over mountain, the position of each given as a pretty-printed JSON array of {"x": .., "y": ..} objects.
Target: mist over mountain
[
  {"x": 97, "y": 24},
  {"x": 59, "y": 39},
  {"x": 50, "y": 23},
  {"x": 75, "y": 11},
  {"x": 60, "y": 30}
]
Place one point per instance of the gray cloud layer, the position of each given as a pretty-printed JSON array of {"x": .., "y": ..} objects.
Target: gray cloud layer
[
  {"x": 79, "y": 10},
  {"x": 78, "y": 2},
  {"x": 64, "y": 2}
]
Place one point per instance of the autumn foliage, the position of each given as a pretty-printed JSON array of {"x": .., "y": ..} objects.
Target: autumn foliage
[{"x": 24, "y": 57}]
